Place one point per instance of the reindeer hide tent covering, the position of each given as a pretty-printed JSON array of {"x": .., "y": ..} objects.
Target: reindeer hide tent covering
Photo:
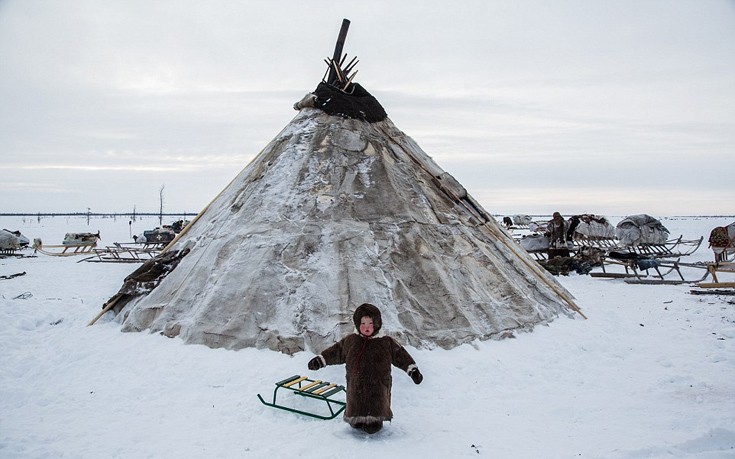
[{"x": 335, "y": 212}]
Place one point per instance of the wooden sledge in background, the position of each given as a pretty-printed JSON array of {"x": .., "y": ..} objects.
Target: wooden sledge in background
[
  {"x": 713, "y": 269},
  {"x": 672, "y": 248},
  {"x": 68, "y": 248},
  {"x": 640, "y": 269},
  {"x": 125, "y": 253}
]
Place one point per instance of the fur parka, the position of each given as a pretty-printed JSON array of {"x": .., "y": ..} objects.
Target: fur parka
[
  {"x": 556, "y": 230},
  {"x": 368, "y": 363}
]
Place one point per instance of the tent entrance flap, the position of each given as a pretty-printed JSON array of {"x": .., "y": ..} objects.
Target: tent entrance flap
[{"x": 310, "y": 388}]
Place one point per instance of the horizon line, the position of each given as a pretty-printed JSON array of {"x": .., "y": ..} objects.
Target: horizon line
[{"x": 168, "y": 214}]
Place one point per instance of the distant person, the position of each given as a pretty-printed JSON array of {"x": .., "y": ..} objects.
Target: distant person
[
  {"x": 368, "y": 360},
  {"x": 556, "y": 231}
]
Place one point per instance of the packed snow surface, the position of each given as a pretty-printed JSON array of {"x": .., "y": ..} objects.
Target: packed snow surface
[{"x": 650, "y": 374}]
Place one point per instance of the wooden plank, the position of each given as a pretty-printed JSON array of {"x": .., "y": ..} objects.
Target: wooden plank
[
  {"x": 310, "y": 385},
  {"x": 318, "y": 386},
  {"x": 324, "y": 389},
  {"x": 724, "y": 266},
  {"x": 717, "y": 285},
  {"x": 297, "y": 380},
  {"x": 612, "y": 275},
  {"x": 655, "y": 282}
]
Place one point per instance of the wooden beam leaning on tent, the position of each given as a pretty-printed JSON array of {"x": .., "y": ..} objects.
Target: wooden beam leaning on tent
[
  {"x": 459, "y": 195},
  {"x": 533, "y": 265},
  {"x": 144, "y": 279},
  {"x": 113, "y": 301}
]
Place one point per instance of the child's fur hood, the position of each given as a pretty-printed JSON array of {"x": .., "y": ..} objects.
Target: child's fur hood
[{"x": 369, "y": 310}]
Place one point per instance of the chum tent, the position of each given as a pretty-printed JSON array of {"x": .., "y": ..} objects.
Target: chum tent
[{"x": 339, "y": 209}]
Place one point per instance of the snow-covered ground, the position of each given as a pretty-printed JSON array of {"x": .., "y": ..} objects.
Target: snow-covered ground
[{"x": 650, "y": 374}]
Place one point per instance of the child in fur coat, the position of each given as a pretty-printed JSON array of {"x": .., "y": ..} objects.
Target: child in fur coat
[{"x": 368, "y": 362}]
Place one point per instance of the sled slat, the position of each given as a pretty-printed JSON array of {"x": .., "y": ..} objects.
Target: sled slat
[
  {"x": 310, "y": 385},
  {"x": 332, "y": 391},
  {"x": 317, "y": 387},
  {"x": 280, "y": 383},
  {"x": 324, "y": 389},
  {"x": 297, "y": 380},
  {"x": 717, "y": 284}
]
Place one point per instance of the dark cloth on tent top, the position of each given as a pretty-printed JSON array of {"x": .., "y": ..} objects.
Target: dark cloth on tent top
[{"x": 358, "y": 104}]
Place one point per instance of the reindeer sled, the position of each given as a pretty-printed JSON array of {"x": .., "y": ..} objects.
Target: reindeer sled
[
  {"x": 640, "y": 244},
  {"x": 637, "y": 235},
  {"x": 11, "y": 241},
  {"x": 722, "y": 243},
  {"x": 73, "y": 244},
  {"x": 645, "y": 269},
  {"x": 643, "y": 248},
  {"x": 120, "y": 252}
]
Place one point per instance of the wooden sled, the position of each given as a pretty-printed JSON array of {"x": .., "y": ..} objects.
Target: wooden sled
[
  {"x": 713, "y": 269},
  {"x": 122, "y": 253},
  {"x": 673, "y": 248},
  {"x": 67, "y": 250},
  {"x": 315, "y": 389},
  {"x": 638, "y": 270},
  {"x": 580, "y": 240}
]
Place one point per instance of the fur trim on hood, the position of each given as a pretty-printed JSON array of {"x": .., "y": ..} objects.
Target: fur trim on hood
[{"x": 368, "y": 310}]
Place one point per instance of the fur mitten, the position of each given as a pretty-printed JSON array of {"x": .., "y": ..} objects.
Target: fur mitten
[
  {"x": 416, "y": 375},
  {"x": 317, "y": 363}
]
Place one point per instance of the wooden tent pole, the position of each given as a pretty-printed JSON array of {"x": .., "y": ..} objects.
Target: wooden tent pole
[
  {"x": 109, "y": 306},
  {"x": 199, "y": 215},
  {"x": 503, "y": 238},
  {"x": 511, "y": 245},
  {"x": 535, "y": 267},
  {"x": 338, "y": 50},
  {"x": 114, "y": 300}
]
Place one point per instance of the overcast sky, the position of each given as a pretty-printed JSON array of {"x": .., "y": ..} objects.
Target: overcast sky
[{"x": 610, "y": 107}]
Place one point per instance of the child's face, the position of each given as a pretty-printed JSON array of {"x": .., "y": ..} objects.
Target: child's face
[{"x": 366, "y": 326}]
